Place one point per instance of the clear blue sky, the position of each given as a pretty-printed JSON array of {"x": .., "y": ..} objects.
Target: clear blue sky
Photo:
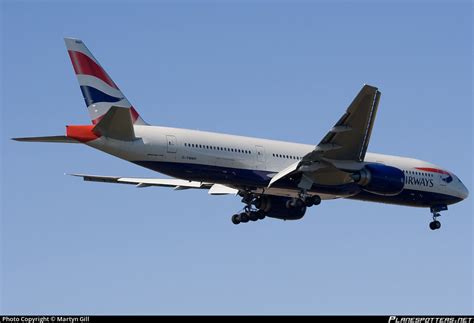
[{"x": 281, "y": 70}]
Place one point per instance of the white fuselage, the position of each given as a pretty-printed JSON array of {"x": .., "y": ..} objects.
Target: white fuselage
[{"x": 251, "y": 162}]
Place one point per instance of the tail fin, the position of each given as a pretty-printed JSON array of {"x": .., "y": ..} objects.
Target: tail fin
[{"x": 98, "y": 89}]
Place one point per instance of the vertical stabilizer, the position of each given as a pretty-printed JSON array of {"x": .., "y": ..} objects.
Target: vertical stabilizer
[{"x": 98, "y": 89}]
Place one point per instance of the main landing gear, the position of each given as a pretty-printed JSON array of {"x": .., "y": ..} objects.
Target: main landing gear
[
  {"x": 254, "y": 210},
  {"x": 248, "y": 215},
  {"x": 435, "y": 224},
  {"x": 303, "y": 200},
  {"x": 259, "y": 206}
]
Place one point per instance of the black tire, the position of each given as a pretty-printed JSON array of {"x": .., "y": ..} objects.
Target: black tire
[
  {"x": 316, "y": 199},
  {"x": 437, "y": 225},
  {"x": 236, "y": 219},
  {"x": 258, "y": 203},
  {"x": 298, "y": 204},
  {"x": 261, "y": 215},
  {"x": 301, "y": 211},
  {"x": 244, "y": 218},
  {"x": 253, "y": 216},
  {"x": 433, "y": 225}
]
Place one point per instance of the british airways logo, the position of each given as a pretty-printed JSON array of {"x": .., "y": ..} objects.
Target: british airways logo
[
  {"x": 425, "y": 182},
  {"x": 447, "y": 179}
]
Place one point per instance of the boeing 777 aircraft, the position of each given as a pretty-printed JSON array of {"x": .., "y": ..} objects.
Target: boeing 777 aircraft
[{"x": 274, "y": 179}]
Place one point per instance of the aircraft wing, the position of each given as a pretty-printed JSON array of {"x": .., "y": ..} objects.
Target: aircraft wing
[
  {"x": 177, "y": 184},
  {"x": 343, "y": 147},
  {"x": 350, "y": 136}
]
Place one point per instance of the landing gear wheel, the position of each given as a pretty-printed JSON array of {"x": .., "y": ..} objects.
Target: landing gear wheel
[
  {"x": 299, "y": 204},
  {"x": 435, "y": 209},
  {"x": 236, "y": 219},
  {"x": 295, "y": 203},
  {"x": 435, "y": 225},
  {"x": 244, "y": 218},
  {"x": 312, "y": 200},
  {"x": 316, "y": 199},
  {"x": 253, "y": 216},
  {"x": 261, "y": 215}
]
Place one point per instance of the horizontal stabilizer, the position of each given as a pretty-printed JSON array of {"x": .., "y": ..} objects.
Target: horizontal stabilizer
[{"x": 62, "y": 139}]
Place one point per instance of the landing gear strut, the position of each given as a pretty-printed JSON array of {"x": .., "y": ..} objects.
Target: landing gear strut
[{"x": 435, "y": 224}]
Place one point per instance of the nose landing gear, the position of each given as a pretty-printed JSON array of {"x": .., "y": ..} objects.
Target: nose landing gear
[{"x": 435, "y": 224}]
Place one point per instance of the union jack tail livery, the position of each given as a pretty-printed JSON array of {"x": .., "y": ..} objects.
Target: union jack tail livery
[{"x": 98, "y": 89}]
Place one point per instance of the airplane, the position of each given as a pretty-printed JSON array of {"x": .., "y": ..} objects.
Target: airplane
[{"x": 274, "y": 179}]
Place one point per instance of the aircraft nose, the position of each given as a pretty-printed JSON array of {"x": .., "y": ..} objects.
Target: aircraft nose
[{"x": 463, "y": 192}]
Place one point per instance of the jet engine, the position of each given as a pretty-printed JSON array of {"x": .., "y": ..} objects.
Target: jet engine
[{"x": 380, "y": 179}]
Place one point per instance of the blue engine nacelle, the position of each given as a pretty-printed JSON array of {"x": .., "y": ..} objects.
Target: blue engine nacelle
[{"x": 380, "y": 179}]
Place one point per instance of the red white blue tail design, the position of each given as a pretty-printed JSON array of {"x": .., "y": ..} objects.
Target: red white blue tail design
[{"x": 99, "y": 91}]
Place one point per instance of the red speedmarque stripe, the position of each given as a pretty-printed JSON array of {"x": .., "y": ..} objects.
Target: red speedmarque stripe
[
  {"x": 84, "y": 65},
  {"x": 432, "y": 170}
]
